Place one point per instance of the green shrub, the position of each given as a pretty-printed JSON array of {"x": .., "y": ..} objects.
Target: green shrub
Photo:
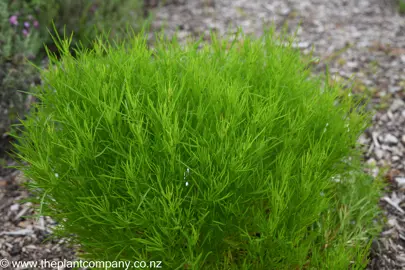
[{"x": 224, "y": 157}]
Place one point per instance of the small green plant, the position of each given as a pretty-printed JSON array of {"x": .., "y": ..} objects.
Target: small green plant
[
  {"x": 226, "y": 157},
  {"x": 401, "y": 6}
]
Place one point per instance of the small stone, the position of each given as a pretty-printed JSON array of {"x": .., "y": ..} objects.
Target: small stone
[
  {"x": 352, "y": 64},
  {"x": 390, "y": 139},
  {"x": 31, "y": 247},
  {"x": 390, "y": 115},
  {"x": 394, "y": 89},
  {"x": 3, "y": 182},
  {"x": 15, "y": 207},
  {"x": 24, "y": 224},
  {"x": 303, "y": 45},
  {"x": 397, "y": 104},
  {"x": 374, "y": 136},
  {"x": 395, "y": 158},
  {"x": 363, "y": 139},
  {"x": 18, "y": 232},
  {"x": 4, "y": 254},
  {"x": 400, "y": 181},
  {"x": 403, "y": 138},
  {"x": 285, "y": 11},
  {"x": 386, "y": 148},
  {"x": 15, "y": 250},
  {"x": 392, "y": 222},
  {"x": 379, "y": 153}
]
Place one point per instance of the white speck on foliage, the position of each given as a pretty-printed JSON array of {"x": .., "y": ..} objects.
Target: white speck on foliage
[
  {"x": 186, "y": 173},
  {"x": 336, "y": 179},
  {"x": 324, "y": 130}
]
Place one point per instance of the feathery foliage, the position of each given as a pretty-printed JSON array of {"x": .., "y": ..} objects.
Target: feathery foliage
[{"x": 227, "y": 156}]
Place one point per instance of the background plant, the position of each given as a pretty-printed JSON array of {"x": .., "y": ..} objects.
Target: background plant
[
  {"x": 25, "y": 27},
  {"x": 401, "y": 6},
  {"x": 19, "y": 40},
  {"x": 228, "y": 157},
  {"x": 88, "y": 18}
]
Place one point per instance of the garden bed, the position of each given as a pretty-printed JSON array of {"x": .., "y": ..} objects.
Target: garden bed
[{"x": 350, "y": 37}]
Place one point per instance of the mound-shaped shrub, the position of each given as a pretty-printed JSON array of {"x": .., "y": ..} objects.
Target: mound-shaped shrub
[{"x": 223, "y": 156}]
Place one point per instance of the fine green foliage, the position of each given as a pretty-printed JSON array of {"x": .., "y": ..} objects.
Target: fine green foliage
[{"x": 223, "y": 156}]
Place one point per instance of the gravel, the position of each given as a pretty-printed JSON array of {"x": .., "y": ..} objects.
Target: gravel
[
  {"x": 23, "y": 238},
  {"x": 363, "y": 40}
]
